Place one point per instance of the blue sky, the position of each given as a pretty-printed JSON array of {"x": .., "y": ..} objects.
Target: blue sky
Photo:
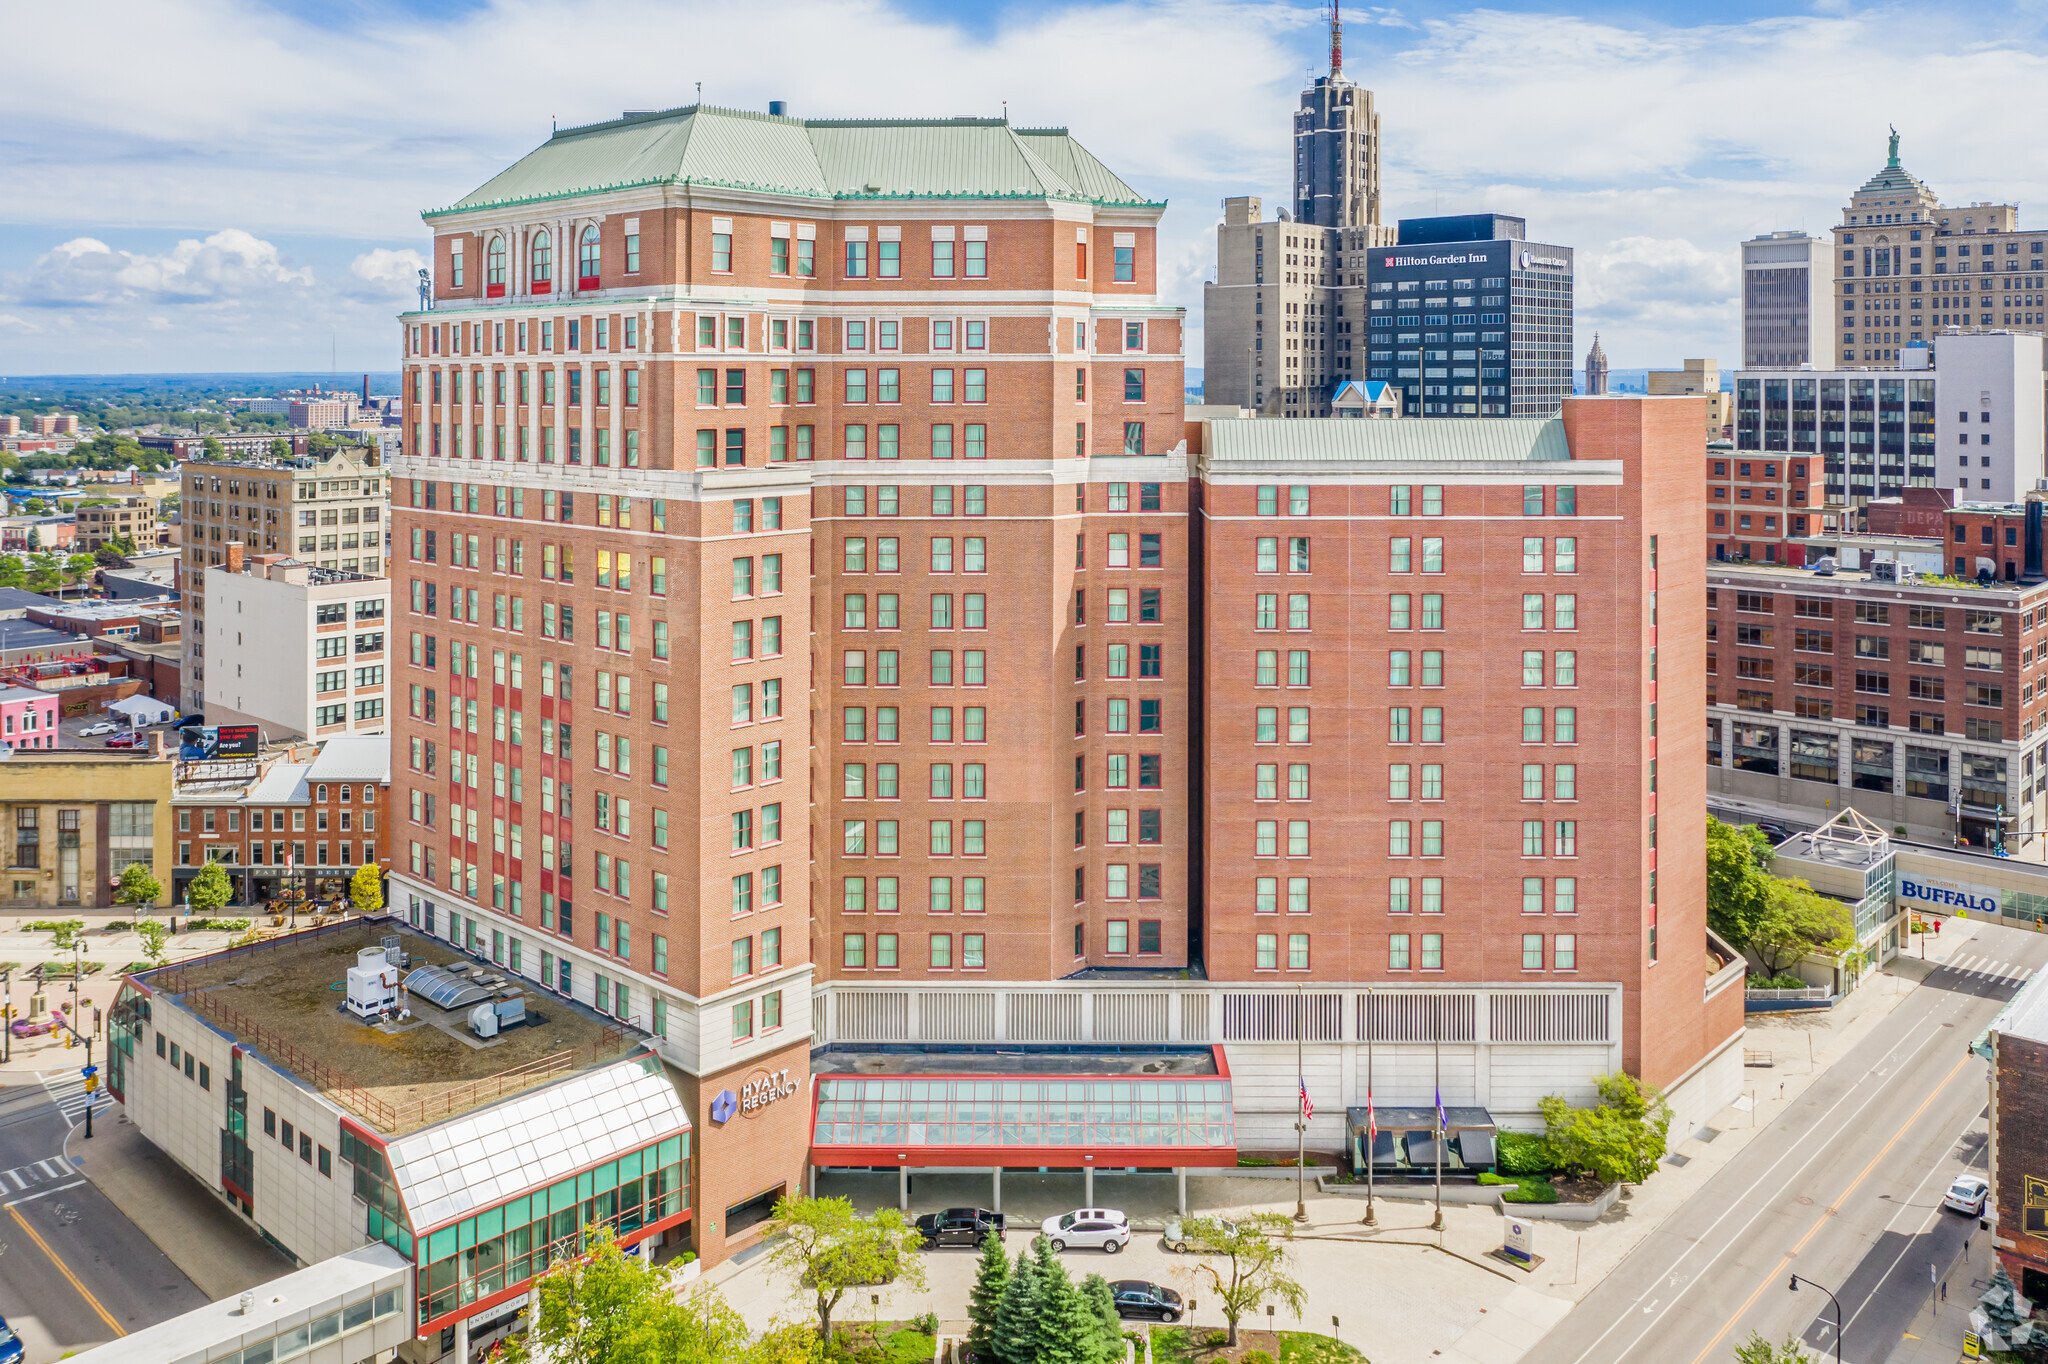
[{"x": 228, "y": 184}]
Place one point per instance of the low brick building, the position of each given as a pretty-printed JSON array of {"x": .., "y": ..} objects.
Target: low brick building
[{"x": 2016, "y": 1044}]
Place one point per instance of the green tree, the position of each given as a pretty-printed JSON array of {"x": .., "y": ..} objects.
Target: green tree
[
  {"x": 985, "y": 1299},
  {"x": 1618, "y": 1140},
  {"x": 608, "y": 1307},
  {"x": 65, "y": 933},
  {"x": 1247, "y": 1265},
  {"x": 13, "y": 570},
  {"x": 78, "y": 567},
  {"x": 155, "y": 939},
  {"x": 45, "y": 574},
  {"x": 366, "y": 889},
  {"x": 1109, "y": 1327},
  {"x": 210, "y": 890},
  {"x": 35, "y": 506},
  {"x": 1068, "y": 1330},
  {"x": 138, "y": 886},
  {"x": 213, "y": 448},
  {"x": 1016, "y": 1330},
  {"x": 1738, "y": 884},
  {"x": 280, "y": 449},
  {"x": 1798, "y": 919},
  {"x": 1757, "y": 1350},
  {"x": 827, "y": 1249}
]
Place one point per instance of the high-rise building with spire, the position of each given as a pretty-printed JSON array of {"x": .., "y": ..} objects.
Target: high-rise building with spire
[
  {"x": 1336, "y": 147},
  {"x": 1596, "y": 369},
  {"x": 1278, "y": 332}
]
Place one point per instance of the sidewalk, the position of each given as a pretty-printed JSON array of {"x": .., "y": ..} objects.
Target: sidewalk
[
  {"x": 1936, "y": 1335},
  {"x": 217, "y": 1250}
]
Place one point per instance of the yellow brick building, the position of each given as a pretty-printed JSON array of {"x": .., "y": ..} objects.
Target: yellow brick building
[{"x": 73, "y": 819}]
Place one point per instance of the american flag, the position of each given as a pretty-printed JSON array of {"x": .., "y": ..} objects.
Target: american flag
[{"x": 1308, "y": 1108}]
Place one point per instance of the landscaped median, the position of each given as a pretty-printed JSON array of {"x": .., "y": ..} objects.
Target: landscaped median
[{"x": 1208, "y": 1345}]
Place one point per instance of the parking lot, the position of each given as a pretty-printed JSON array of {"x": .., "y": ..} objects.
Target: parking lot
[{"x": 74, "y": 735}]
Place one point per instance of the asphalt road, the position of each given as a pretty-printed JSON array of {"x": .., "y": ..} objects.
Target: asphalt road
[
  {"x": 1843, "y": 1187},
  {"x": 74, "y": 1271}
]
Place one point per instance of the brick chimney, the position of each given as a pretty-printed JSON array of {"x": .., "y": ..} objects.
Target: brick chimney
[{"x": 234, "y": 563}]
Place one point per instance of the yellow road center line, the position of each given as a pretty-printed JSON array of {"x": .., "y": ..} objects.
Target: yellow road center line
[
  {"x": 62, "y": 1268},
  {"x": 1821, "y": 1221}
]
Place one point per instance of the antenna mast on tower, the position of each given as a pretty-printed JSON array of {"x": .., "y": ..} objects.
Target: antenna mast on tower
[{"x": 1336, "y": 40}]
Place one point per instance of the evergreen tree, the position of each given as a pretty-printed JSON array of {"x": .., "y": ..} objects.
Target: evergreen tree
[
  {"x": 985, "y": 1299},
  {"x": 1015, "y": 1339},
  {"x": 1109, "y": 1327},
  {"x": 1066, "y": 1320}
]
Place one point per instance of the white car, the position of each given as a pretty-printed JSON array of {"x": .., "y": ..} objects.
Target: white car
[
  {"x": 103, "y": 727},
  {"x": 1103, "y": 1229},
  {"x": 1967, "y": 1195}
]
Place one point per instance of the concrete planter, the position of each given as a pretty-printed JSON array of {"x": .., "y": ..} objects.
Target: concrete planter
[
  {"x": 689, "y": 1272},
  {"x": 1568, "y": 1212}
]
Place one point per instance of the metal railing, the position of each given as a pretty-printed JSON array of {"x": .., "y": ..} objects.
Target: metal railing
[{"x": 1810, "y": 992}]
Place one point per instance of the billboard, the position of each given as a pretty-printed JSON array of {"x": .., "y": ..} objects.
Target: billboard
[{"x": 223, "y": 741}]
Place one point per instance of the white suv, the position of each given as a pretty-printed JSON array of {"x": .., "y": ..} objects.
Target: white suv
[{"x": 1104, "y": 1229}]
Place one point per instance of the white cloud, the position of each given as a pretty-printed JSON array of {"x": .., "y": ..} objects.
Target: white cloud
[
  {"x": 229, "y": 266},
  {"x": 1652, "y": 148}
]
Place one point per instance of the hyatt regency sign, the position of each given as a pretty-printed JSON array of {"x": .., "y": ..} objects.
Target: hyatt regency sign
[{"x": 1939, "y": 895}]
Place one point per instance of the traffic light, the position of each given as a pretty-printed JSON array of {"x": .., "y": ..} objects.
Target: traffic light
[
  {"x": 67, "y": 1039},
  {"x": 92, "y": 1082}
]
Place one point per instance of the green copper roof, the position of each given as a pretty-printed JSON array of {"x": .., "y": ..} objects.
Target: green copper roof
[
  {"x": 814, "y": 158},
  {"x": 1402, "y": 440}
]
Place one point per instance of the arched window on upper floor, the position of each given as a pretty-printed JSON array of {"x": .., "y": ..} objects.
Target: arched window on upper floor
[
  {"x": 587, "y": 259},
  {"x": 494, "y": 269},
  {"x": 543, "y": 262}
]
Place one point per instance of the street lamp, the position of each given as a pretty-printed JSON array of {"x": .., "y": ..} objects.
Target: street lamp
[{"x": 1794, "y": 1286}]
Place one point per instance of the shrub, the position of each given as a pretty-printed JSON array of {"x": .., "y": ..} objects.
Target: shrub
[
  {"x": 1215, "y": 1339},
  {"x": 1257, "y": 1357},
  {"x": 927, "y": 1323},
  {"x": 1524, "y": 1153}
]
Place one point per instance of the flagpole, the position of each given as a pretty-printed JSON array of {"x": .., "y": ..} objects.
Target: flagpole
[
  {"x": 1438, "y": 1030},
  {"x": 1372, "y": 1126},
  {"x": 1300, "y": 1113}
]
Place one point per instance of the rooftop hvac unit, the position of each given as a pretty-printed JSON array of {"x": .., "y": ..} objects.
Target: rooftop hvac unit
[
  {"x": 372, "y": 984},
  {"x": 1885, "y": 571},
  {"x": 486, "y": 1020}
]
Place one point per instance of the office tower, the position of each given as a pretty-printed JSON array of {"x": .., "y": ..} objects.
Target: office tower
[
  {"x": 1336, "y": 148},
  {"x": 1908, "y": 268},
  {"x": 1277, "y": 332},
  {"x": 1788, "y": 313},
  {"x": 1596, "y": 370},
  {"x": 327, "y": 513},
  {"x": 1469, "y": 319}
]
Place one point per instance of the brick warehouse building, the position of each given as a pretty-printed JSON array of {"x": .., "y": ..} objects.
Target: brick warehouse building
[{"x": 877, "y": 480}]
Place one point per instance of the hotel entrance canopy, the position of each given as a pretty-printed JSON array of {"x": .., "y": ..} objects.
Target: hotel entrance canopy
[{"x": 1052, "y": 1108}]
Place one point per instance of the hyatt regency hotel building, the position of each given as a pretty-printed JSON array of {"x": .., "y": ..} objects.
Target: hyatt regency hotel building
[{"x": 825, "y": 651}]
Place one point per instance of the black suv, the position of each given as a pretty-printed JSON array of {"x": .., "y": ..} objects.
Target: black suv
[
  {"x": 1136, "y": 1298},
  {"x": 959, "y": 1226}
]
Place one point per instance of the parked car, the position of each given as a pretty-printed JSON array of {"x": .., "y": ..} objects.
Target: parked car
[
  {"x": 10, "y": 1344},
  {"x": 1178, "y": 1241},
  {"x": 103, "y": 727},
  {"x": 959, "y": 1226},
  {"x": 1136, "y": 1298},
  {"x": 125, "y": 741},
  {"x": 1103, "y": 1229},
  {"x": 1967, "y": 1195},
  {"x": 1777, "y": 833}
]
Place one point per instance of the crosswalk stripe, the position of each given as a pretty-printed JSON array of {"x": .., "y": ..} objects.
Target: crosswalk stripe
[{"x": 19, "y": 1182}]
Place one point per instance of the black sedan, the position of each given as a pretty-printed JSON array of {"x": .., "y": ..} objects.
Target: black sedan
[{"x": 1136, "y": 1298}]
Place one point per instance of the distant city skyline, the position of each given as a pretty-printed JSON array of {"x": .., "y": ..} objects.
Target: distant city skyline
[{"x": 274, "y": 223}]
